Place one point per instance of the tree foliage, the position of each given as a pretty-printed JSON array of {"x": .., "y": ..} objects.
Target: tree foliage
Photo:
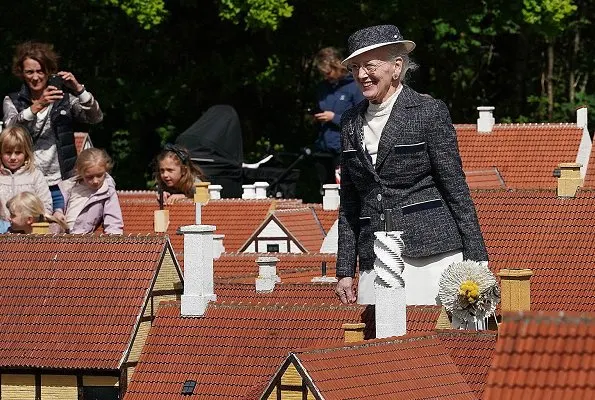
[
  {"x": 155, "y": 66},
  {"x": 256, "y": 14},
  {"x": 147, "y": 13}
]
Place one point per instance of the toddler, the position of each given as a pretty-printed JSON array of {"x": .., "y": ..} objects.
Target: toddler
[
  {"x": 26, "y": 208},
  {"x": 17, "y": 172},
  {"x": 90, "y": 198},
  {"x": 175, "y": 173}
]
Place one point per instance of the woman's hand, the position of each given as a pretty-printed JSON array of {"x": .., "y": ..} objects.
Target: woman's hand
[
  {"x": 325, "y": 116},
  {"x": 50, "y": 95},
  {"x": 344, "y": 290},
  {"x": 70, "y": 82}
]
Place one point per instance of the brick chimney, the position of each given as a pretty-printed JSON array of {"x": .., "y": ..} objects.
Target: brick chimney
[
  {"x": 215, "y": 192},
  {"x": 249, "y": 191},
  {"x": 515, "y": 288},
  {"x": 260, "y": 190},
  {"x": 331, "y": 199},
  {"x": 486, "y": 121},
  {"x": 569, "y": 179},
  {"x": 267, "y": 274},
  {"x": 354, "y": 332},
  {"x": 40, "y": 228},
  {"x": 201, "y": 197},
  {"x": 198, "y": 269}
]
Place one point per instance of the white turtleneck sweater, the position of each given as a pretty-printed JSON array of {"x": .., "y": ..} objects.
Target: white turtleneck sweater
[{"x": 375, "y": 120}]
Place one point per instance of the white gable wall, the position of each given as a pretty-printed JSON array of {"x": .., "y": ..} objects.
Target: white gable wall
[{"x": 272, "y": 233}]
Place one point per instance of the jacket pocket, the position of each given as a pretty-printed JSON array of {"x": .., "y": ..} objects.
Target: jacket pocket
[
  {"x": 409, "y": 148},
  {"x": 348, "y": 154},
  {"x": 421, "y": 205}
]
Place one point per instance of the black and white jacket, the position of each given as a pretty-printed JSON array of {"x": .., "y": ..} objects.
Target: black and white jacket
[{"x": 418, "y": 174}]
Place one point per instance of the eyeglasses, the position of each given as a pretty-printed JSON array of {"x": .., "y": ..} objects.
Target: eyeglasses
[{"x": 369, "y": 68}]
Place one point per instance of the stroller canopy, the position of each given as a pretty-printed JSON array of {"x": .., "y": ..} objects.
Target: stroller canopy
[
  {"x": 214, "y": 142},
  {"x": 216, "y": 135}
]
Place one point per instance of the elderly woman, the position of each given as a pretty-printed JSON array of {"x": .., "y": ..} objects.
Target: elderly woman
[
  {"x": 48, "y": 109},
  {"x": 399, "y": 152}
]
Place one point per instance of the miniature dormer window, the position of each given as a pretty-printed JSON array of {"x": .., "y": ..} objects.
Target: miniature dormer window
[
  {"x": 188, "y": 388},
  {"x": 272, "y": 248}
]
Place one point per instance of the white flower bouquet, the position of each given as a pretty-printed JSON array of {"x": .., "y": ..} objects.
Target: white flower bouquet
[{"x": 469, "y": 291}]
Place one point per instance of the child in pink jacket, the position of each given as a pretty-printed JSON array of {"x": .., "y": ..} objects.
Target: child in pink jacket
[{"x": 90, "y": 198}]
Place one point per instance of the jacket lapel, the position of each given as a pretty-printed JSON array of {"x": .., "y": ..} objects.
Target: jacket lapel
[
  {"x": 395, "y": 124},
  {"x": 357, "y": 135}
]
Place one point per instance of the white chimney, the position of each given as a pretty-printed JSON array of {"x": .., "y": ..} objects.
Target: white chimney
[
  {"x": 218, "y": 247},
  {"x": 198, "y": 269},
  {"x": 486, "y": 120},
  {"x": 249, "y": 192},
  {"x": 585, "y": 147},
  {"x": 331, "y": 199},
  {"x": 267, "y": 274},
  {"x": 260, "y": 189},
  {"x": 215, "y": 191},
  {"x": 581, "y": 117},
  {"x": 389, "y": 285}
]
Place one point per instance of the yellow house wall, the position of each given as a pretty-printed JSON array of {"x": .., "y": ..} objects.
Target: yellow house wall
[
  {"x": 291, "y": 376},
  {"x": 167, "y": 278},
  {"x": 18, "y": 386},
  {"x": 58, "y": 387},
  {"x": 100, "y": 381},
  {"x": 129, "y": 373},
  {"x": 139, "y": 341}
]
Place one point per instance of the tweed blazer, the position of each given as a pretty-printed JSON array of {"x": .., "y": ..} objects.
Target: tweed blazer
[{"x": 418, "y": 174}]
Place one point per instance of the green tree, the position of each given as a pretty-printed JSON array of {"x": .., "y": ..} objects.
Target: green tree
[{"x": 549, "y": 19}]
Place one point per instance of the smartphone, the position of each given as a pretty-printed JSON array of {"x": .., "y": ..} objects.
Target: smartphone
[
  {"x": 314, "y": 110},
  {"x": 56, "y": 81}
]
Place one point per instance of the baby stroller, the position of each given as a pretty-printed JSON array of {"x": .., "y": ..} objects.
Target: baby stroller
[{"x": 215, "y": 145}]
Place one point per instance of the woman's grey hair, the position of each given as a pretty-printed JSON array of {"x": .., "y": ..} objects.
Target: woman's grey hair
[{"x": 409, "y": 65}]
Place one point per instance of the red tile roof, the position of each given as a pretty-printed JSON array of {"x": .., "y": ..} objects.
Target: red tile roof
[
  {"x": 590, "y": 175},
  {"x": 231, "y": 348},
  {"x": 419, "y": 318},
  {"x": 326, "y": 217},
  {"x": 554, "y": 237},
  {"x": 407, "y": 367},
  {"x": 301, "y": 225},
  {"x": 80, "y": 138},
  {"x": 242, "y": 267},
  {"x": 73, "y": 301},
  {"x": 485, "y": 179},
  {"x": 544, "y": 356},
  {"x": 292, "y": 293},
  {"x": 525, "y": 154},
  {"x": 472, "y": 352},
  {"x": 237, "y": 219}
]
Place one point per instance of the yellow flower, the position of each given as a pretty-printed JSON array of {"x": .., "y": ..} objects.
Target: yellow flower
[{"x": 469, "y": 290}]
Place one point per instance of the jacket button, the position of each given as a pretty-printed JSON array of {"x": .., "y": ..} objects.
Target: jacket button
[{"x": 379, "y": 197}]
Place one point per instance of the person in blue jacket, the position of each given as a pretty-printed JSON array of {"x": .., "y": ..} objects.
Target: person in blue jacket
[{"x": 336, "y": 94}]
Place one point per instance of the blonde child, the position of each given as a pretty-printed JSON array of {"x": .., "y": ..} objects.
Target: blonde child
[
  {"x": 26, "y": 208},
  {"x": 17, "y": 172},
  {"x": 90, "y": 198},
  {"x": 175, "y": 173}
]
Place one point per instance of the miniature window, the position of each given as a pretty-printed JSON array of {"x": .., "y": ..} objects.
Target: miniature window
[
  {"x": 188, "y": 388},
  {"x": 272, "y": 248}
]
